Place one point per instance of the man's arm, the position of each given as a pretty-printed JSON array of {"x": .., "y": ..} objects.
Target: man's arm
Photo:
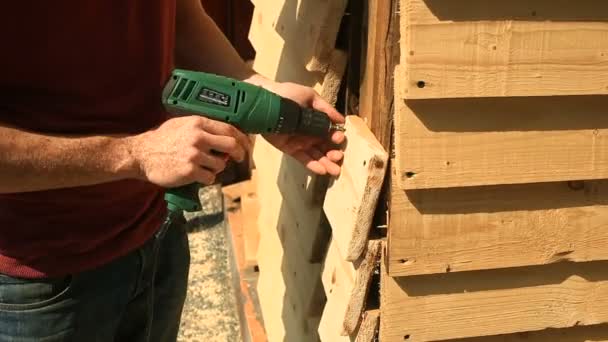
[
  {"x": 176, "y": 153},
  {"x": 200, "y": 45}
]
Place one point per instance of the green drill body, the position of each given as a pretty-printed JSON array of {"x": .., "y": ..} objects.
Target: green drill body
[{"x": 250, "y": 108}]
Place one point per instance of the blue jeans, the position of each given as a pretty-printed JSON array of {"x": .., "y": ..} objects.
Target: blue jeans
[{"x": 136, "y": 298}]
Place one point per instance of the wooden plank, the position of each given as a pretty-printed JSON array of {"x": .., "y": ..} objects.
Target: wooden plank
[
  {"x": 302, "y": 278},
  {"x": 346, "y": 286},
  {"x": 363, "y": 278},
  {"x": 251, "y": 209},
  {"x": 283, "y": 319},
  {"x": 449, "y": 54},
  {"x": 594, "y": 333},
  {"x": 382, "y": 54},
  {"x": 338, "y": 281},
  {"x": 483, "y": 303},
  {"x": 470, "y": 142},
  {"x": 307, "y": 28},
  {"x": 368, "y": 332},
  {"x": 352, "y": 197},
  {"x": 288, "y": 186},
  {"x": 465, "y": 229}
]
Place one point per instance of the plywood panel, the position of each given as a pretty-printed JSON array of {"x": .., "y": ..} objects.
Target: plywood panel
[{"x": 450, "y": 54}]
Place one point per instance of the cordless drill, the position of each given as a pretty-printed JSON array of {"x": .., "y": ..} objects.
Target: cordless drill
[{"x": 250, "y": 108}]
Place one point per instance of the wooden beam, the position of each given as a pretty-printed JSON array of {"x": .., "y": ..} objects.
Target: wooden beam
[
  {"x": 483, "y": 303},
  {"x": 462, "y": 51},
  {"x": 465, "y": 229},
  {"x": 471, "y": 142},
  {"x": 351, "y": 198},
  {"x": 382, "y": 54}
]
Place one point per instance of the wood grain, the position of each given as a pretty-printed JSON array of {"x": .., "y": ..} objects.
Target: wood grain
[
  {"x": 352, "y": 197},
  {"x": 593, "y": 333},
  {"x": 368, "y": 332},
  {"x": 483, "y": 303},
  {"x": 448, "y": 58},
  {"x": 381, "y": 55},
  {"x": 464, "y": 229},
  {"x": 471, "y": 142},
  {"x": 346, "y": 286}
]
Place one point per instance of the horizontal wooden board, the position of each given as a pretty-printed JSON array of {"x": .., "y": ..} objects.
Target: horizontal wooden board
[
  {"x": 471, "y": 50},
  {"x": 352, "y": 197},
  {"x": 484, "y": 303},
  {"x": 593, "y": 333},
  {"x": 470, "y": 142},
  {"x": 464, "y": 229}
]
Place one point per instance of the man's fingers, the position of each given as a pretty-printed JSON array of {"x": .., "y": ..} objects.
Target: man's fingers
[
  {"x": 321, "y": 105},
  {"x": 338, "y": 137},
  {"x": 221, "y": 128},
  {"x": 214, "y": 163},
  {"x": 331, "y": 167},
  {"x": 312, "y": 164},
  {"x": 228, "y": 145},
  {"x": 203, "y": 176},
  {"x": 335, "y": 155}
]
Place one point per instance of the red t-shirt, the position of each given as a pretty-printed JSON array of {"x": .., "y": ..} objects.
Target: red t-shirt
[{"x": 81, "y": 67}]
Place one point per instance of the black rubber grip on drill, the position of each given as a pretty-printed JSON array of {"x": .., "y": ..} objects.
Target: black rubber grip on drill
[{"x": 305, "y": 121}]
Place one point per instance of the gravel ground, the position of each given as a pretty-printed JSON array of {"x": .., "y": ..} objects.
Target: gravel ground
[{"x": 210, "y": 313}]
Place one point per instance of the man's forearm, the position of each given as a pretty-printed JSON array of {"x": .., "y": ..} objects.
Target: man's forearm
[
  {"x": 201, "y": 45},
  {"x": 32, "y": 162}
]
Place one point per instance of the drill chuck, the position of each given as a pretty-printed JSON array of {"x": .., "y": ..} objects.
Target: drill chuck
[{"x": 294, "y": 119}]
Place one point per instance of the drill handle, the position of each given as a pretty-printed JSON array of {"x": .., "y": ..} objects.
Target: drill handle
[{"x": 183, "y": 198}]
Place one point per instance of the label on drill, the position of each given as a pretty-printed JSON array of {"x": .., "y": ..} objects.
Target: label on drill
[{"x": 214, "y": 97}]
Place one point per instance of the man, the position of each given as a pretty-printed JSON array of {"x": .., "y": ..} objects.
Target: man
[{"x": 86, "y": 151}]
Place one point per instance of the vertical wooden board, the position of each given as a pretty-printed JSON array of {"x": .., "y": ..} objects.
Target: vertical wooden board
[
  {"x": 474, "y": 142},
  {"x": 465, "y": 229},
  {"x": 285, "y": 314},
  {"x": 283, "y": 321},
  {"x": 286, "y": 186},
  {"x": 301, "y": 277},
  {"x": 593, "y": 333},
  {"x": 382, "y": 54},
  {"x": 251, "y": 209},
  {"x": 351, "y": 199},
  {"x": 313, "y": 24},
  {"x": 463, "y": 51},
  {"x": 484, "y": 303}
]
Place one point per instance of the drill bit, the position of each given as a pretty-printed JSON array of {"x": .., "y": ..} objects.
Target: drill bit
[{"x": 337, "y": 127}]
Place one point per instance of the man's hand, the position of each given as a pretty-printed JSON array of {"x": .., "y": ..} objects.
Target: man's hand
[
  {"x": 184, "y": 150},
  {"x": 319, "y": 155}
]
